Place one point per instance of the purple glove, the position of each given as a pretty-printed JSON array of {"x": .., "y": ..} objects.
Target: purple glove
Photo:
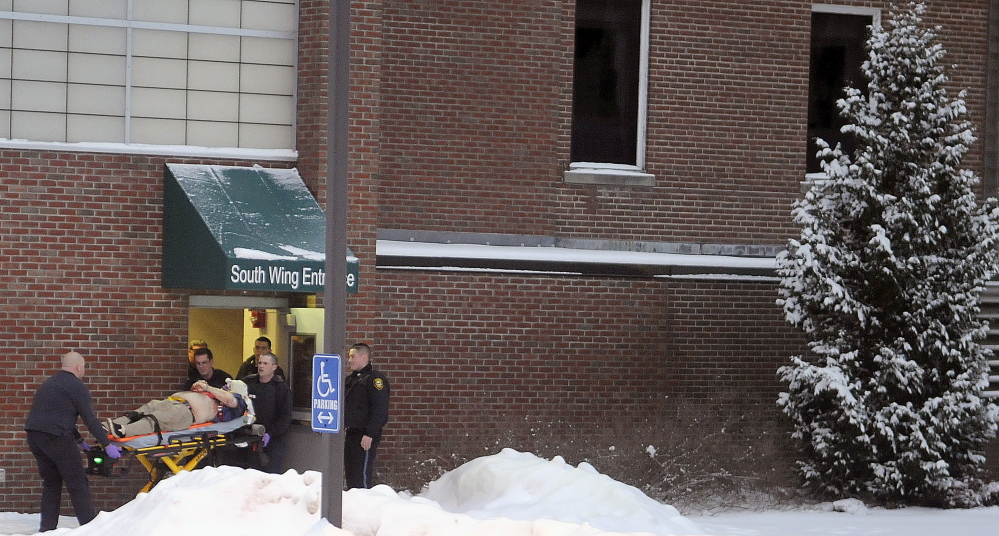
[
  {"x": 267, "y": 438},
  {"x": 84, "y": 446},
  {"x": 113, "y": 451}
]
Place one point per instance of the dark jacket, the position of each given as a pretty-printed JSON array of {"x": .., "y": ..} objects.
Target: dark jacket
[
  {"x": 272, "y": 403},
  {"x": 366, "y": 401},
  {"x": 217, "y": 380},
  {"x": 59, "y": 401}
]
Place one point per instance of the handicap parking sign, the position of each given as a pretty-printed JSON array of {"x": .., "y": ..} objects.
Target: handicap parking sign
[{"x": 326, "y": 393}]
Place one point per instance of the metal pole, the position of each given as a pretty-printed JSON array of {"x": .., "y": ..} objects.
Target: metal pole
[{"x": 335, "y": 289}]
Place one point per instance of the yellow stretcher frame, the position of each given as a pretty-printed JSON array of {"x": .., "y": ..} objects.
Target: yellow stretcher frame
[{"x": 184, "y": 453}]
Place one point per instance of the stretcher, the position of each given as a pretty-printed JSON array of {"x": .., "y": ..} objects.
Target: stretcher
[{"x": 169, "y": 453}]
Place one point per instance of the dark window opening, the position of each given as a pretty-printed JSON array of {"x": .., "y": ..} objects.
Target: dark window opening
[
  {"x": 605, "y": 81},
  {"x": 303, "y": 348},
  {"x": 837, "y": 54}
]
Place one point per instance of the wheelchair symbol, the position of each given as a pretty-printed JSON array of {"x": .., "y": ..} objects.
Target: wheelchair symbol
[{"x": 324, "y": 385}]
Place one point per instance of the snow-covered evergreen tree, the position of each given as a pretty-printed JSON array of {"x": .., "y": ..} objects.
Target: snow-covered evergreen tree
[{"x": 885, "y": 281}]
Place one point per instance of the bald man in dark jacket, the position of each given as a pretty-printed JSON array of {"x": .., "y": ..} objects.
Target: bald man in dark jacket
[{"x": 53, "y": 439}]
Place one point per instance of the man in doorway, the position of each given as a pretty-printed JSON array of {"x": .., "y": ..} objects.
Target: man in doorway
[
  {"x": 272, "y": 403},
  {"x": 194, "y": 345},
  {"x": 260, "y": 346},
  {"x": 365, "y": 408},
  {"x": 204, "y": 363}
]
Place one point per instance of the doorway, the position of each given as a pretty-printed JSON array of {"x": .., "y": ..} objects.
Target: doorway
[{"x": 230, "y": 325}]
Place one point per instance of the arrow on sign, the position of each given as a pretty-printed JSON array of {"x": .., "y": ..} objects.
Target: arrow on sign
[{"x": 324, "y": 417}]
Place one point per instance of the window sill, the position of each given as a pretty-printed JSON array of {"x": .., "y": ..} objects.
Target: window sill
[
  {"x": 811, "y": 179},
  {"x": 608, "y": 175},
  {"x": 287, "y": 155}
]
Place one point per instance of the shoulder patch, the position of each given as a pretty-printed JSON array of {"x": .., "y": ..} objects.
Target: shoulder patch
[{"x": 378, "y": 383}]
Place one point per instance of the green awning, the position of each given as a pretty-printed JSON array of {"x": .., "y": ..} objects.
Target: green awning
[{"x": 244, "y": 228}]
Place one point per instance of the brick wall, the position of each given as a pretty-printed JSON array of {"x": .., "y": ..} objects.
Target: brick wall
[
  {"x": 469, "y": 111},
  {"x": 476, "y": 107},
  {"x": 80, "y": 237},
  {"x": 476, "y": 360}
]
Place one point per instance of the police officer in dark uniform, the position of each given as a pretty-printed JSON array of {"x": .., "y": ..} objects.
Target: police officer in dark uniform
[
  {"x": 53, "y": 440},
  {"x": 366, "y": 400}
]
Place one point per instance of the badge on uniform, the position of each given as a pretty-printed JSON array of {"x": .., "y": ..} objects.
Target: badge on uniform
[{"x": 378, "y": 383}]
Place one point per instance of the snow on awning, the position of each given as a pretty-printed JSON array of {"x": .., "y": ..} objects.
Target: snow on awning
[{"x": 245, "y": 228}]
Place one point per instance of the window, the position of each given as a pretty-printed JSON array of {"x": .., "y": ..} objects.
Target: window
[
  {"x": 839, "y": 38},
  {"x": 210, "y": 73},
  {"x": 609, "y": 89}
]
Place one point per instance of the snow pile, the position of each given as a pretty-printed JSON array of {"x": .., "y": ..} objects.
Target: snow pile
[
  {"x": 497, "y": 495},
  {"x": 514, "y": 494},
  {"x": 226, "y": 500},
  {"x": 519, "y": 485},
  {"x": 510, "y": 493}
]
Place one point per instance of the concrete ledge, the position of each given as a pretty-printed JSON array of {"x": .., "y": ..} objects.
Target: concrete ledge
[{"x": 608, "y": 177}]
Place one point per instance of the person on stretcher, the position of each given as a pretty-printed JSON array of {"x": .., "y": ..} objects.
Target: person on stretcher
[{"x": 202, "y": 404}]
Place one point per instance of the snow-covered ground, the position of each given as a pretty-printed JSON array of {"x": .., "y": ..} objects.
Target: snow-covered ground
[{"x": 506, "y": 494}]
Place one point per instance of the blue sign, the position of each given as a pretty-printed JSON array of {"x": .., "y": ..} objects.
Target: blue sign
[{"x": 326, "y": 393}]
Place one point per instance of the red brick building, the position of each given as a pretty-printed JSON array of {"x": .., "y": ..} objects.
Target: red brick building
[{"x": 565, "y": 213}]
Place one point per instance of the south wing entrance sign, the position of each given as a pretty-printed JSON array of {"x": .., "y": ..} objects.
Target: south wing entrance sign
[{"x": 326, "y": 393}]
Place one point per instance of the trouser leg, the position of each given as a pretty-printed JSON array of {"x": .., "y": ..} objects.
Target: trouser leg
[
  {"x": 78, "y": 487},
  {"x": 275, "y": 454},
  {"x": 358, "y": 464},
  {"x": 59, "y": 462},
  {"x": 170, "y": 415},
  {"x": 369, "y": 464},
  {"x": 51, "y": 482},
  {"x": 353, "y": 460}
]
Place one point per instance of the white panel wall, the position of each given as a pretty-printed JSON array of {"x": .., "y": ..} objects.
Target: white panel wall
[{"x": 212, "y": 73}]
